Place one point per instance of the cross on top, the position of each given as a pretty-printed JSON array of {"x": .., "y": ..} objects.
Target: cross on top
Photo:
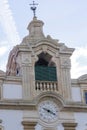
[{"x": 33, "y": 7}]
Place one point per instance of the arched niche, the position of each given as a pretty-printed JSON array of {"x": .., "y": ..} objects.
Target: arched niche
[
  {"x": 45, "y": 68},
  {"x": 45, "y": 59}
]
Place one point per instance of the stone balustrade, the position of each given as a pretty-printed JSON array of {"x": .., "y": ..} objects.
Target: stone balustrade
[{"x": 46, "y": 85}]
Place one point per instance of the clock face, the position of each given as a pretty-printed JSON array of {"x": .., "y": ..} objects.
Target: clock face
[{"x": 48, "y": 111}]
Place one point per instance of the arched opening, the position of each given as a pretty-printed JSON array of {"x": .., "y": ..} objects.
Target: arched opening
[{"x": 45, "y": 69}]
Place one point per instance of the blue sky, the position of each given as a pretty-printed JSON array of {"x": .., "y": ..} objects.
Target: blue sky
[{"x": 65, "y": 20}]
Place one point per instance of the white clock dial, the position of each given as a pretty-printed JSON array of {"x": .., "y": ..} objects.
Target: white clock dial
[{"x": 48, "y": 111}]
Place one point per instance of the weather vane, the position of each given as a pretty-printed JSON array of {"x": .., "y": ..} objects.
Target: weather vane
[{"x": 33, "y": 8}]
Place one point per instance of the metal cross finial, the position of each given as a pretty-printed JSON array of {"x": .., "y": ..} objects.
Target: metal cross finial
[{"x": 33, "y": 7}]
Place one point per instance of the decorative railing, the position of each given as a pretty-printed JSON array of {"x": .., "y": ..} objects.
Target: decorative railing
[{"x": 46, "y": 86}]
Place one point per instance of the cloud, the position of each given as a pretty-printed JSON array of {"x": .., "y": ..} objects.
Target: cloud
[
  {"x": 79, "y": 67},
  {"x": 3, "y": 65},
  {"x": 2, "y": 50},
  {"x": 8, "y": 23}
]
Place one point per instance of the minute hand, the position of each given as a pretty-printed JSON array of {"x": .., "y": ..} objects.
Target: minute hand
[
  {"x": 52, "y": 112},
  {"x": 49, "y": 111}
]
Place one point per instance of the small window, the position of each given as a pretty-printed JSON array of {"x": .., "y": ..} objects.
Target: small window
[{"x": 85, "y": 95}]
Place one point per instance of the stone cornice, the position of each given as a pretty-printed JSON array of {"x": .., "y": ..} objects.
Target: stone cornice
[
  {"x": 31, "y": 105},
  {"x": 67, "y": 51},
  {"x": 2, "y": 78},
  {"x": 82, "y": 82},
  {"x": 17, "y": 105},
  {"x": 76, "y": 82},
  {"x": 69, "y": 125},
  {"x": 16, "y": 79},
  {"x": 24, "y": 48},
  {"x": 75, "y": 107},
  {"x": 11, "y": 79}
]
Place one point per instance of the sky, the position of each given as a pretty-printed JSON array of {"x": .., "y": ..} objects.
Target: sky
[{"x": 65, "y": 20}]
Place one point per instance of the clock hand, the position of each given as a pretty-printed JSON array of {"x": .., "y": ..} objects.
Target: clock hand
[
  {"x": 49, "y": 111},
  {"x": 46, "y": 109},
  {"x": 52, "y": 112}
]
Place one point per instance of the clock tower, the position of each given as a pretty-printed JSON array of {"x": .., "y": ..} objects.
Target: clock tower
[
  {"x": 36, "y": 91},
  {"x": 42, "y": 64}
]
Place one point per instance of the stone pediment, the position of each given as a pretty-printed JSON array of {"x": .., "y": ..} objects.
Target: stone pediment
[
  {"x": 83, "y": 77},
  {"x": 45, "y": 41}
]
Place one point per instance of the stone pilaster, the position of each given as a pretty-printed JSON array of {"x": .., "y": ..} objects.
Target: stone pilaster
[
  {"x": 65, "y": 78},
  {"x": 27, "y": 76},
  {"x": 29, "y": 125},
  {"x": 27, "y": 82},
  {"x": 69, "y": 126}
]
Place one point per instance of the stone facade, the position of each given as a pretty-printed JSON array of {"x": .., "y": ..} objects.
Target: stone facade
[{"x": 21, "y": 94}]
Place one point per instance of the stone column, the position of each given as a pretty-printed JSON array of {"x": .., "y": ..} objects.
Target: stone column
[
  {"x": 69, "y": 126},
  {"x": 29, "y": 125}
]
